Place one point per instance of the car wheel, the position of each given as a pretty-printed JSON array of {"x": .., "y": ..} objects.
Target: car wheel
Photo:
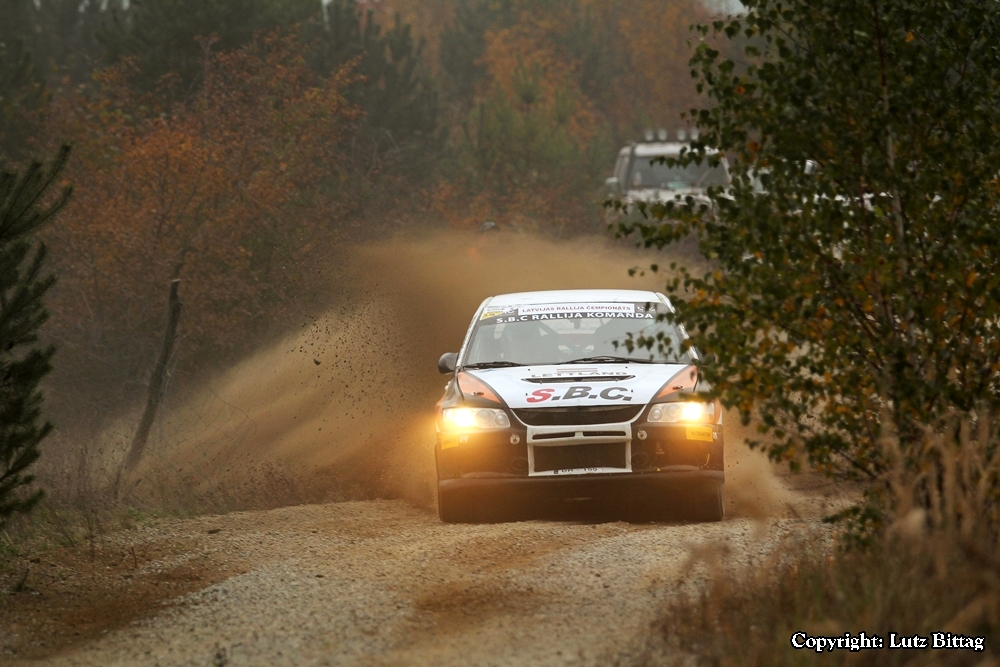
[
  {"x": 708, "y": 505},
  {"x": 454, "y": 507}
]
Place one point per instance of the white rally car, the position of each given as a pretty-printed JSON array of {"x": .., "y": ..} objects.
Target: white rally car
[{"x": 546, "y": 399}]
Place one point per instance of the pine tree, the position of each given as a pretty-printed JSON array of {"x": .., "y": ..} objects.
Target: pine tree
[
  {"x": 168, "y": 36},
  {"x": 393, "y": 89},
  {"x": 22, "y": 96},
  {"x": 463, "y": 42},
  {"x": 25, "y": 205}
]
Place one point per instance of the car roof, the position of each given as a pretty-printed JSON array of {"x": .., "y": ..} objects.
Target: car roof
[
  {"x": 574, "y": 296},
  {"x": 660, "y": 148}
]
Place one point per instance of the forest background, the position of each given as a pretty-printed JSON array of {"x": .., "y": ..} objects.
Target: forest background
[
  {"x": 235, "y": 144},
  {"x": 238, "y": 152}
]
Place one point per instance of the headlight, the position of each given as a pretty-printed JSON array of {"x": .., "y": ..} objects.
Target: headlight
[
  {"x": 473, "y": 418},
  {"x": 681, "y": 412}
]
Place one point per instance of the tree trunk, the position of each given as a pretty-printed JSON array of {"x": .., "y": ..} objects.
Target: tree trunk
[{"x": 155, "y": 395}]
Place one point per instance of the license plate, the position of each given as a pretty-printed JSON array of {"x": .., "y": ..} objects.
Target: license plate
[{"x": 703, "y": 433}]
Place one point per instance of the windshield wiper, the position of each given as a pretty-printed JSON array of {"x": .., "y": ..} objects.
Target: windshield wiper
[
  {"x": 492, "y": 364},
  {"x": 606, "y": 359}
]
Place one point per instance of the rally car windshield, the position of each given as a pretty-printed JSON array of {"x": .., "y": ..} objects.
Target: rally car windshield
[
  {"x": 573, "y": 334},
  {"x": 659, "y": 175}
]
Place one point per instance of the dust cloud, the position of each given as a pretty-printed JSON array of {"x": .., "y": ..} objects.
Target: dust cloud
[
  {"x": 753, "y": 488},
  {"x": 342, "y": 408}
]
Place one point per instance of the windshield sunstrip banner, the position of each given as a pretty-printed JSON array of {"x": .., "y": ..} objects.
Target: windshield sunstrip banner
[{"x": 562, "y": 311}]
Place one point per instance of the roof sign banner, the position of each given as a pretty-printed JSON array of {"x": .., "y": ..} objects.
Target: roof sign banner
[{"x": 553, "y": 311}]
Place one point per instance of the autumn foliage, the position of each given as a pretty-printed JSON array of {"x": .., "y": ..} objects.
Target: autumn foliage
[
  {"x": 279, "y": 136},
  {"x": 558, "y": 87},
  {"x": 221, "y": 191}
]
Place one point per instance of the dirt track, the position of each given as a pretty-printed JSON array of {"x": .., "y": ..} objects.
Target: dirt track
[
  {"x": 383, "y": 583},
  {"x": 377, "y": 582}
]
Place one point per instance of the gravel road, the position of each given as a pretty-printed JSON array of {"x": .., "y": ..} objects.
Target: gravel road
[
  {"x": 384, "y": 583},
  {"x": 378, "y": 582}
]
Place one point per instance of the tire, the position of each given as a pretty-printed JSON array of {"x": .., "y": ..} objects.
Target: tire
[
  {"x": 708, "y": 505},
  {"x": 454, "y": 507}
]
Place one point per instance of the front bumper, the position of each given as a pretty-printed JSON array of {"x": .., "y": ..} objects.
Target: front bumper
[
  {"x": 674, "y": 479},
  {"x": 581, "y": 459}
]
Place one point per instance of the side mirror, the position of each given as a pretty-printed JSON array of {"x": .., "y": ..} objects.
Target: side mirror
[
  {"x": 612, "y": 185},
  {"x": 446, "y": 364}
]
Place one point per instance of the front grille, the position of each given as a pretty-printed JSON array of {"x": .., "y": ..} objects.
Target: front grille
[
  {"x": 570, "y": 457},
  {"x": 585, "y": 434},
  {"x": 604, "y": 414}
]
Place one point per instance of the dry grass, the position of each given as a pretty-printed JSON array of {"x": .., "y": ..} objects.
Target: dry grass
[
  {"x": 935, "y": 567},
  {"x": 901, "y": 587}
]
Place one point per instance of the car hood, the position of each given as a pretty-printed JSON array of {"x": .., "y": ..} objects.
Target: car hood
[{"x": 583, "y": 385}]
